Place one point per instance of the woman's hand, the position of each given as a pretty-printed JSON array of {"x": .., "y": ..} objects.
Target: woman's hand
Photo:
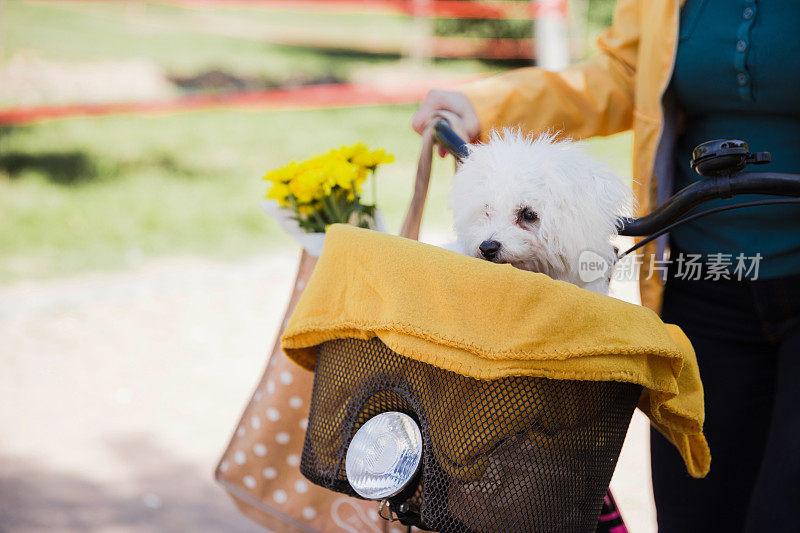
[{"x": 462, "y": 116}]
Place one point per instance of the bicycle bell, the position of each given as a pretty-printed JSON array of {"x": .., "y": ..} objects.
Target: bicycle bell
[{"x": 723, "y": 157}]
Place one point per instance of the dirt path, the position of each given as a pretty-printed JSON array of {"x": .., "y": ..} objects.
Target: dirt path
[{"x": 118, "y": 393}]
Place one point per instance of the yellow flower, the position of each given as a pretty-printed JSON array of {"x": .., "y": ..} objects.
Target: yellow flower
[
  {"x": 304, "y": 187},
  {"x": 382, "y": 158},
  {"x": 279, "y": 191},
  {"x": 283, "y": 174},
  {"x": 373, "y": 159},
  {"x": 361, "y": 177},
  {"x": 319, "y": 175},
  {"x": 305, "y": 210},
  {"x": 351, "y": 152},
  {"x": 327, "y": 186},
  {"x": 342, "y": 173}
]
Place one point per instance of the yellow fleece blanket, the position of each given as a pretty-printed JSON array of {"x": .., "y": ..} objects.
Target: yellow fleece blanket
[{"x": 489, "y": 321}]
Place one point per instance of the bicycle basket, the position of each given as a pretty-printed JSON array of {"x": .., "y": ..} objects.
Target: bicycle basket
[
  {"x": 513, "y": 454},
  {"x": 522, "y": 386}
]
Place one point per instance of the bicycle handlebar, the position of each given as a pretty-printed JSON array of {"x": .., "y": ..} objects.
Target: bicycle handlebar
[
  {"x": 703, "y": 191},
  {"x": 680, "y": 203}
]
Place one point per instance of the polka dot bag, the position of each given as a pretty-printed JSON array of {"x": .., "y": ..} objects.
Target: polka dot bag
[{"x": 260, "y": 467}]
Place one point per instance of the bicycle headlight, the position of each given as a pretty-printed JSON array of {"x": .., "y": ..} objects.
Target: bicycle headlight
[{"x": 384, "y": 455}]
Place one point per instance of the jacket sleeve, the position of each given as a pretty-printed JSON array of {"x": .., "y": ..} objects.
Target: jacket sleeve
[{"x": 594, "y": 97}]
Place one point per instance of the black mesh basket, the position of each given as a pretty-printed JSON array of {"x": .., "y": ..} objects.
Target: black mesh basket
[{"x": 511, "y": 454}]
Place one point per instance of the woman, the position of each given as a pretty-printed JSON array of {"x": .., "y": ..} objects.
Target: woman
[{"x": 679, "y": 75}]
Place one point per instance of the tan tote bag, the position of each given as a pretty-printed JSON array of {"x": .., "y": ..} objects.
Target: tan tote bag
[{"x": 260, "y": 467}]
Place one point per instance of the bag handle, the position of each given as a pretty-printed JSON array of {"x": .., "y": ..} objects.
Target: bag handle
[
  {"x": 437, "y": 130},
  {"x": 413, "y": 220}
]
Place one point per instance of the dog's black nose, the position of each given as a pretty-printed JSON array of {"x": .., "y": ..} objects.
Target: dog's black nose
[{"x": 489, "y": 249}]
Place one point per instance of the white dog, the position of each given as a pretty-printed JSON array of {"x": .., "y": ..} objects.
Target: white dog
[{"x": 541, "y": 205}]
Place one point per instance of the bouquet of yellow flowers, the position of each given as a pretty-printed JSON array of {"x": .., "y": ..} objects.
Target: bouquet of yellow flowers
[{"x": 327, "y": 189}]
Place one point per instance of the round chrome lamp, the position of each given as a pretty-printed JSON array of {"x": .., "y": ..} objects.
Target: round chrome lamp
[{"x": 384, "y": 455}]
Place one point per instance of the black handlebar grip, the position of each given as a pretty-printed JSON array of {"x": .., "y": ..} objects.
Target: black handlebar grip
[{"x": 449, "y": 140}]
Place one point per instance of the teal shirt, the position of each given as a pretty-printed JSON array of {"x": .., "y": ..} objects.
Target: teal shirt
[{"x": 737, "y": 75}]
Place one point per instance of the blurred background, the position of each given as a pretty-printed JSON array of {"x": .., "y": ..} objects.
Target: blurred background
[{"x": 141, "y": 285}]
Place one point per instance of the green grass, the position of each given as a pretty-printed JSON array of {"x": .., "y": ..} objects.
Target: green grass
[
  {"x": 88, "y": 193},
  {"x": 94, "y": 193}
]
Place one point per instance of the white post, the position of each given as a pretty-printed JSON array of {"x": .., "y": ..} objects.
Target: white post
[{"x": 550, "y": 34}]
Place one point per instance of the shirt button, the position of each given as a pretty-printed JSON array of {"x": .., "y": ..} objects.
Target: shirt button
[
  {"x": 741, "y": 45},
  {"x": 742, "y": 79},
  {"x": 748, "y": 13}
]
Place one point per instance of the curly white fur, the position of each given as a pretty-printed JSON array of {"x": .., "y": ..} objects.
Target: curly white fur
[{"x": 576, "y": 201}]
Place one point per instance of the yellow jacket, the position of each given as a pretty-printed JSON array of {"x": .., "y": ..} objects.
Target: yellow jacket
[{"x": 622, "y": 87}]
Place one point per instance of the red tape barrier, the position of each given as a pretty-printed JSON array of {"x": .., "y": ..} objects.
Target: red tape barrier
[{"x": 311, "y": 97}]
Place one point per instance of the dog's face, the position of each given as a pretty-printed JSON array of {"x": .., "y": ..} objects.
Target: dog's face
[{"x": 536, "y": 204}]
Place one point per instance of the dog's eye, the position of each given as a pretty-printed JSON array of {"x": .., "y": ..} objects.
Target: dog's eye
[{"x": 529, "y": 215}]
